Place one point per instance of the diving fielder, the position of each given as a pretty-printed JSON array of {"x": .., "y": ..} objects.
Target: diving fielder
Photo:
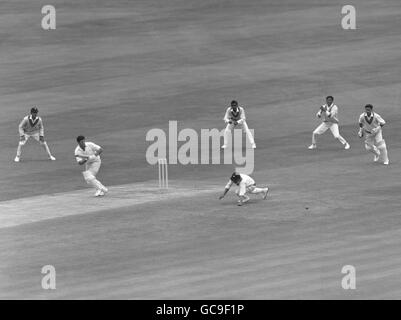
[
  {"x": 32, "y": 126},
  {"x": 370, "y": 126},
  {"x": 245, "y": 185},
  {"x": 235, "y": 117},
  {"x": 88, "y": 153},
  {"x": 329, "y": 113}
]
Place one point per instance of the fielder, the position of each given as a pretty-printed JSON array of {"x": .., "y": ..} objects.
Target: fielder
[
  {"x": 32, "y": 126},
  {"x": 370, "y": 125},
  {"x": 329, "y": 112},
  {"x": 245, "y": 185},
  {"x": 88, "y": 153},
  {"x": 235, "y": 116}
]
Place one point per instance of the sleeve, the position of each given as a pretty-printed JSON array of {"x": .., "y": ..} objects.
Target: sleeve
[
  {"x": 380, "y": 120},
  {"x": 93, "y": 145},
  {"x": 360, "y": 120},
  {"x": 226, "y": 116},
  {"x": 21, "y": 127},
  {"x": 77, "y": 155},
  {"x": 229, "y": 184},
  {"x": 41, "y": 128},
  {"x": 243, "y": 118}
]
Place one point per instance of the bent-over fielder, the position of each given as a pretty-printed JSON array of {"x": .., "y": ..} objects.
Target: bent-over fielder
[{"x": 245, "y": 185}]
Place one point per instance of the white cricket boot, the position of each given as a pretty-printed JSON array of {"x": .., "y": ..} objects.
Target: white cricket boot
[
  {"x": 347, "y": 146},
  {"x": 312, "y": 146},
  {"x": 17, "y": 159}
]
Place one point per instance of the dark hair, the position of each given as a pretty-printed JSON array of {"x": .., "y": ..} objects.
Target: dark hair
[
  {"x": 330, "y": 97},
  {"x": 234, "y": 103},
  {"x": 34, "y": 110},
  {"x": 235, "y": 177},
  {"x": 80, "y": 138},
  {"x": 369, "y": 106}
]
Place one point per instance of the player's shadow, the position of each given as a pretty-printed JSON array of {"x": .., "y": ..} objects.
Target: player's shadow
[{"x": 35, "y": 160}]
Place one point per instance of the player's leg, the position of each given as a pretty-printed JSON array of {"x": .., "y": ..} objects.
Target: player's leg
[
  {"x": 256, "y": 190},
  {"x": 93, "y": 168},
  {"x": 227, "y": 132},
  {"x": 381, "y": 145},
  {"x": 19, "y": 148},
  {"x": 43, "y": 143},
  {"x": 241, "y": 193},
  {"x": 336, "y": 133},
  {"x": 370, "y": 146},
  {"x": 249, "y": 134},
  {"x": 322, "y": 128}
]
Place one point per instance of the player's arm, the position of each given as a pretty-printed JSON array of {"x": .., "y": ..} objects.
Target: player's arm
[
  {"x": 41, "y": 131},
  {"x": 380, "y": 120},
  {"x": 243, "y": 118},
  {"x": 227, "y": 187},
  {"x": 226, "y": 116},
  {"x": 361, "y": 131},
  {"x": 81, "y": 159},
  {"x": 321, "y": 110},
  {"x": 21, "y": 129},
  {"x": 99, "y": 151},
  {"x": 380, "y": 125}
]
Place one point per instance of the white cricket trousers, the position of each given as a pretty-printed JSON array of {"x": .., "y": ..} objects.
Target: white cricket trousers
[{"x": 323, "y": 127}]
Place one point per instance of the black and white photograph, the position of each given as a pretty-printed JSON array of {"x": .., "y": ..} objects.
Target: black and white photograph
[{"x": 211, "y": 150}]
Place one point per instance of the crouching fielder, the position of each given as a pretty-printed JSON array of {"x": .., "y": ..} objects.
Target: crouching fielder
[
  {"x": 329, "y": 113},
  {"x": 235, "y": 118},
  {"x": 88, "y": 153},
  {"x": 32, "y": 127},
  {"x": 245, "y": 185},
  {"x": 370, "y": 126}
]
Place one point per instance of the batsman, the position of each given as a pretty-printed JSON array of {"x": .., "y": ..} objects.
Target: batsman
[{"x": 370, "y": 126}]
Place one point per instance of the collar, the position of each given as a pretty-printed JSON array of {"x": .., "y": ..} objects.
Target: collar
[
  {"x": 79, "y": 146},
  {"x": 369, "y": 119},
  {"x": 33, "y": 122}
]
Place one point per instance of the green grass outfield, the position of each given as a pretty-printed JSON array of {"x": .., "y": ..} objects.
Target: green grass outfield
[{"x": 114, "y": 70}]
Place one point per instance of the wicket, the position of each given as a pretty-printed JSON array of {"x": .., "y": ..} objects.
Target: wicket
[{"x": 163, "y": 173}]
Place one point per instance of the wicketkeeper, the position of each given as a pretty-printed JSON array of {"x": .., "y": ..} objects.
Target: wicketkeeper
[{"x": 235, "y": 118}]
